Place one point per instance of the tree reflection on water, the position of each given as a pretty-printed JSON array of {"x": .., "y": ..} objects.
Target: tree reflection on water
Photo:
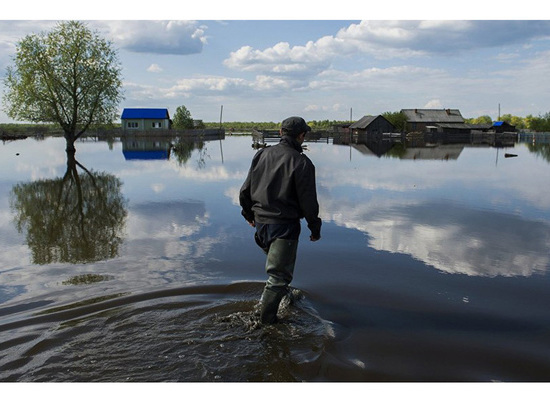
[
  {"x": 183, "y": 149},
  {"x": 78, "y": 218},
  {"x": 541, "y": 150}
]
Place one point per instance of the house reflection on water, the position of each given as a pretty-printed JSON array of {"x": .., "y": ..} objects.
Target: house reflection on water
[
  {"x": 397, "y": 149},
  {"x": 402, "y": 147},
  {"x": 163, "y": 147},
  {"x": 439, "y": 152},
  {"x": 154, "y": 148}
]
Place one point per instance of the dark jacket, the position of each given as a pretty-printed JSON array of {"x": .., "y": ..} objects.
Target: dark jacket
[{"x": 280, "y": 187}]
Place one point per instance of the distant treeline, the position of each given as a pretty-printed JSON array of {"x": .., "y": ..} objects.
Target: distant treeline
[
  {"x": 244, "y": 127},
  {"x": 249, "y": 126},
  {"x": 29, "y": 129},
  {"x": 534, "y": 123}
]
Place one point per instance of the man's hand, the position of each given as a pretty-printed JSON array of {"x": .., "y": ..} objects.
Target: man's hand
[
  {"x": 314, "y": 238},
  {"x": 251, "y": 223}
]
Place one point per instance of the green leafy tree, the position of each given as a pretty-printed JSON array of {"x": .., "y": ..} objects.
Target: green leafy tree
[
  {"x": 539, "y": 123},
  {"x": 544, "y": 123},
  {"x": 540, "y": 149},
  {"x": 182, "y": 119},
  {"x": 69, "y": 76},
  {"x": 398, "y": 119},
  {"x": 480, "y": 120},
  {"x": 529, "y": 122},
  {"x": 517, "y": 121}
]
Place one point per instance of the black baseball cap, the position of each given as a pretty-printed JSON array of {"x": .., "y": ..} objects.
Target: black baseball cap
[{"x": 295, "y": 125}]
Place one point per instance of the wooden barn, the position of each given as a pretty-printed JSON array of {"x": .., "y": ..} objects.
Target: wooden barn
[
  {"x": 501, "y": 127},
  {"x": 374, "y": 125}
]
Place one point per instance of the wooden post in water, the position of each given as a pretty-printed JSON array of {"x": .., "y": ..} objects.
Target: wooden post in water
[{"x": 220, "y": 132}]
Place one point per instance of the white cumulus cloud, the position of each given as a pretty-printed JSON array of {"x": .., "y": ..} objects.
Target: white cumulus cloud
[
  {"x": 157, "y": 37},
  {"x": 382, "y": 40}
]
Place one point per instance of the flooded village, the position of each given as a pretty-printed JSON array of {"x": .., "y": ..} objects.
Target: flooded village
[
  {"x": 428, "y": 133},
  {"x": 148, "y": 133}
]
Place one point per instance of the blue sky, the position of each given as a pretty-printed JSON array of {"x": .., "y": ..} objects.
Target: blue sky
[{"x": 320, "y": 67}]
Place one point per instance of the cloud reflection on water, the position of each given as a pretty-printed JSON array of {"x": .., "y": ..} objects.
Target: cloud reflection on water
[
  {"x": 474, "y": 213},
  {"x": 451, "y": 237},
  {"x": 467, "y": 215},
  {"x": 463, "y": 216},
  {"x": 169, "y": 239}
]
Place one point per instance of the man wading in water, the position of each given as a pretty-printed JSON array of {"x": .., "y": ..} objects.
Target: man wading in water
[{"x": 278, "y": 191}]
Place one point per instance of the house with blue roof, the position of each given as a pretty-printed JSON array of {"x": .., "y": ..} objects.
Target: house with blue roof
[
  {"x": 145, "y": 119},
  {"x": 501, "y": 127}
]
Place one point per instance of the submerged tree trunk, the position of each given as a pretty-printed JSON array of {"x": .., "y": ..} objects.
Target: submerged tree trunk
[{"x": 70, "y": 147}]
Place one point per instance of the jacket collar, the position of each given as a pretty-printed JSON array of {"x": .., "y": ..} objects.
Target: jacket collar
[{"x": 289, "y": 141}]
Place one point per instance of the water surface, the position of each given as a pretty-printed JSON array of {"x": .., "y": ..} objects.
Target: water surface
[{"x": 132, "y": 263}]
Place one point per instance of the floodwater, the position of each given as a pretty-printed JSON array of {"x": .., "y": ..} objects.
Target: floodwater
[{"x": 132, "y": 263}]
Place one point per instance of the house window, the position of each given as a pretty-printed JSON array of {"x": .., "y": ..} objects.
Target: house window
[
  {"x": 157, "y": 125},
  {"x": 132, "y": 125}
]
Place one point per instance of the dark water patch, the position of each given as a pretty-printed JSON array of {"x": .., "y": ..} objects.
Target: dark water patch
[
  {"x": 443, "y": 328},
  {"x": 451, "y": 357},
  {"x": 194, "y": 334},
  {"x": 101, "y": 303},
  {"x": 23, "y": 307}
]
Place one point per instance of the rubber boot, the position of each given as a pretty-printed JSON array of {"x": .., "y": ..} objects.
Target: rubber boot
[
  {"x": 269, "y": 305},
  {"x": 280, "y": 261}
]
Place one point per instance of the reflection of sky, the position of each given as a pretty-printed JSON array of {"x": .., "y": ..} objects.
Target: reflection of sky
[
  {"x": 478, "y": 214},
  {"x": 174, "y": 211},
  {"x": 477, "y": 176},
  {"x": 451, "y": 237}
]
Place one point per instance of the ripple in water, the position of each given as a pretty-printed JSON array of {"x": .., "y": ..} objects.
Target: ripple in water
[{"x": 214, "y": 335}]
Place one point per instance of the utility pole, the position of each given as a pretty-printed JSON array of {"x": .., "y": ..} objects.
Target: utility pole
[{"x": 350, "y": 130}]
